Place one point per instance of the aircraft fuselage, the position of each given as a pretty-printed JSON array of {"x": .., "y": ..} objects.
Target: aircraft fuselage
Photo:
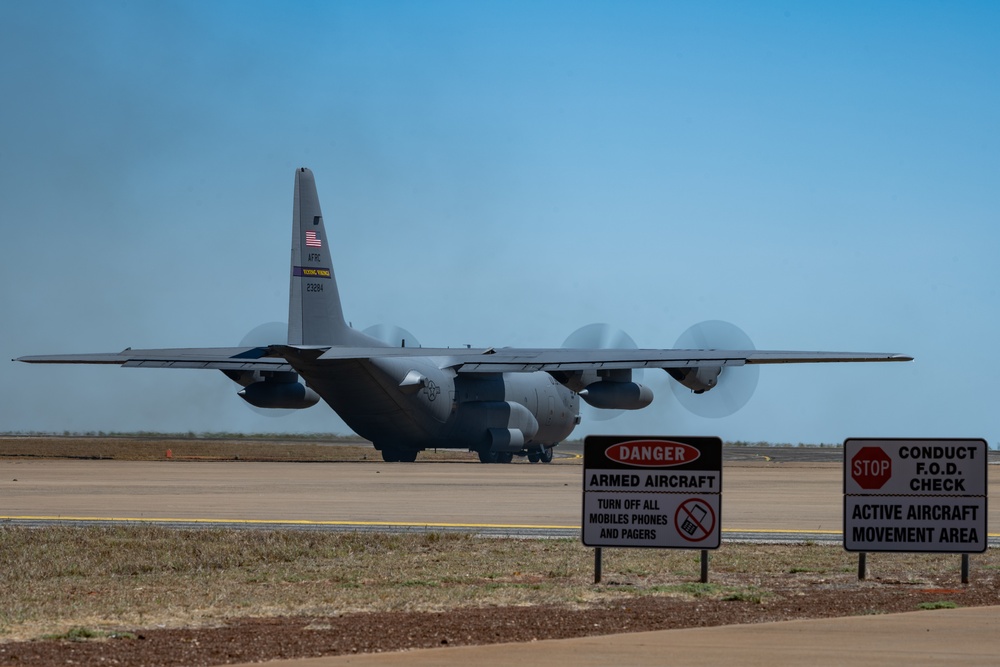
[{"x": 411, "y": 404}]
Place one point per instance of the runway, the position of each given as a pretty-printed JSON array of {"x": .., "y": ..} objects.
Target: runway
[{"x": 761, "y": 501}]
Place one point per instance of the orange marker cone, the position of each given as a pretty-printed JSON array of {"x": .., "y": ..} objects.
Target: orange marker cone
[{"x": 170, "y": 454}]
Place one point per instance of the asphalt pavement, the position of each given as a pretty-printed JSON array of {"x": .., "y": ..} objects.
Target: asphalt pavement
[{"x": 953, "y": 637}]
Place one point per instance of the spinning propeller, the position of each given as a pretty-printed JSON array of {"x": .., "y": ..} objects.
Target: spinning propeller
[
  {"x": 736, "y": 384},
  {"x": 603, "y": 337}
]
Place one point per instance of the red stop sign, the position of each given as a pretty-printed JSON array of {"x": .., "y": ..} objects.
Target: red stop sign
[{"x": 871, "y": 468}]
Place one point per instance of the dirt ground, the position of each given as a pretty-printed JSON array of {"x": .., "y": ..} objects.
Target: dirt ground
[{"x": 260, "y": 639}]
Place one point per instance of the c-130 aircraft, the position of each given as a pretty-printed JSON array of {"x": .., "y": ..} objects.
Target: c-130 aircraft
[{"x": 499, "y": 402}]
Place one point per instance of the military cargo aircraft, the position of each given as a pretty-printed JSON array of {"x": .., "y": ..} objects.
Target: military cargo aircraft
[{"x": 498, "y": 402}]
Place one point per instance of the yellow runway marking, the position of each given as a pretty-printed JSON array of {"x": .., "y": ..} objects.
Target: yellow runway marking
[{"x": 780, "y": 531}]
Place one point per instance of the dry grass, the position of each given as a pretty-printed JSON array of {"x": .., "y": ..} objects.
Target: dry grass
[
  {"x": 145, "y": 448},
  {"x": 125, "y": 577}
]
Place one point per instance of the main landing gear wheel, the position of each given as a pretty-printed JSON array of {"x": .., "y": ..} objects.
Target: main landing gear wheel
[
  {"x": 396, "y": 455},
  {"x": 486, "y": 456},
  {"x": 543, "y": 454}
]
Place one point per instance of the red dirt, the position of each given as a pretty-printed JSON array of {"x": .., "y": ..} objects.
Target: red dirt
[{"x": 260, "y": 639}]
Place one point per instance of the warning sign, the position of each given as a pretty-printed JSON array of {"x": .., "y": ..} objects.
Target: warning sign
[
  {"x": 701, "y": 481},
  {"x": 904, "y": 467},
  {"x": 914, "y": 523},
  {"x": 660, "y": 492},
  {"x": 661, "y": 520},
  {"x": 919, "y": 495}
]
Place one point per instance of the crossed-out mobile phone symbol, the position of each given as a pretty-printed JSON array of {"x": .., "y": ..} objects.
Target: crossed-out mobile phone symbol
[{"x": 695, "y": 520}]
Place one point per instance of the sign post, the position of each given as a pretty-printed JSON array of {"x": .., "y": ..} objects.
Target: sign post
[
  {"x": 652, "y": 491},
  {"x": 915, "y": 495}
]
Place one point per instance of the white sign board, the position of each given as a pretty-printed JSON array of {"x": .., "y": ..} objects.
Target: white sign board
[
  {"x": 922, "y": 467},
  {"x": 664, "y": 520},
  {"x": 915, "y": 523},
  {"x": 918, "y": 495},
  {"x": 652, "y": 491}
]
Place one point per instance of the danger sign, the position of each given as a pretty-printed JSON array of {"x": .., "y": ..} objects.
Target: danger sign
[{"x": 652, "y": 491}]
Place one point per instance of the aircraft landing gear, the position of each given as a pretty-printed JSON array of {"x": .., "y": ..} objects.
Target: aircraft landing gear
[
  {"x": 486, "y": 456},
  {"x": 397, "y": 454},
  {"x": 543, "y": 454}
]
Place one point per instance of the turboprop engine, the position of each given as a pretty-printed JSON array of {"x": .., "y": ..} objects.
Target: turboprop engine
[
  {"x": 698, "y": 379},
  {"x": 612, "y": 395},
  {"x": 731, "y": 387},
  {"x": 285, "y": 395}
]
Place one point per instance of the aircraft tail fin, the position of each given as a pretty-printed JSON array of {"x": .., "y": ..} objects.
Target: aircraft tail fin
[{"x": 315, "y": 316}]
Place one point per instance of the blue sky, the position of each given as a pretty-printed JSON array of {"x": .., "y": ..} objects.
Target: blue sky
[{"x": 825, "y": 176}]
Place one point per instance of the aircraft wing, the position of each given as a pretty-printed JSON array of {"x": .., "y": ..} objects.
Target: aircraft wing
[
  {"x": 580, "y": 360},
  {"x": 221, "y": 358},
  {"x": 463, "y": 360},
  {"x": 513, "y": 360}
]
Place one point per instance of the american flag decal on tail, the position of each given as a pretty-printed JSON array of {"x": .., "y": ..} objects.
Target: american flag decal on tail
[{"x": 313, "y": 240}]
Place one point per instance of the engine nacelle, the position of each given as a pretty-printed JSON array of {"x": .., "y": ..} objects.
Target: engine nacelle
[
  {"x": 579, "y": 380},
  {"x": 698, "y": 379},
  {"x": 498, "y": 426},
  {"x": 610, "y": 395},
  {"x": 284, "y": 395},
  {"x": 506, "y": 439}
]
